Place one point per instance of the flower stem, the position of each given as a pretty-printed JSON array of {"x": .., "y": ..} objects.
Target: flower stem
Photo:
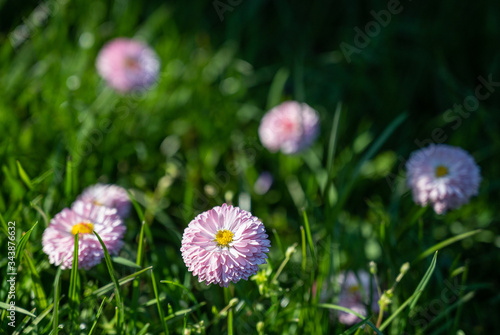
[{"x": 227, "y": 297}]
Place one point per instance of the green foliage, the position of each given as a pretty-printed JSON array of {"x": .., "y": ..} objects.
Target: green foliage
[{"x": 191, "y": 143}]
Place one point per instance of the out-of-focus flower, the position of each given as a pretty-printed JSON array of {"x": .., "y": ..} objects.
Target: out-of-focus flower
[
  {"x": 442, "y": 175},
  {"x": 224, "y": 244},
  {"x": 263, "y": 183},
  {"x": 84, "y": 218},
  {"x": 107, "y": 195},
  {"x": 289, "y": 127},
  {"x": 128, "y": 65},
  {"x": 355, "y": 295}
]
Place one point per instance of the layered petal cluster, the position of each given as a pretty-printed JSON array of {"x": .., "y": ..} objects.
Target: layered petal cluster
[
  {"x": 355, "y": 294},
  {"x": 84, "y": 218},
  {"x": 224, "y": 244},
  {"x": 128, "y": 65},
  {"x": 107, "y": 195},
  {"x": 289, "y": 127},
  {"x": 444, "y": 176}
]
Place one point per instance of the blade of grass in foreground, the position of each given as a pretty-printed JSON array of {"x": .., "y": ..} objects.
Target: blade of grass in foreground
[
  {"x": 350, "y": 311},
  {"x": 104, "y": 301},
  {"x": 277, "y": 86},
  {"x": 57, "y": 294},
  {"x": 446, "y": 243},
  {"x": 119, "y": 301},
  {"x": 160, "y": 310},
  {"x": 36, "y": 283},
  {"x": 108, "y": 287},
  {"x": 135, "y": 284},
  {"x": 23, "y": 241},
  {"x": 74, "y": 299},
  {"x": 24, "y": 176},
  {"x": 415, "y": 296},
  {"x": 23, "y": 324},
  {"x": 5, "y": 306}
]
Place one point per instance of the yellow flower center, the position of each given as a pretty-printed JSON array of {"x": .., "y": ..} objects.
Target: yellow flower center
[
  {"x": 441, "y": 171},
  {"x": 97, "y": 203},
  {"x": 82, "y": 228},
  {"x": 353, "y": 289},
  {"x": 223, "y": 238}
]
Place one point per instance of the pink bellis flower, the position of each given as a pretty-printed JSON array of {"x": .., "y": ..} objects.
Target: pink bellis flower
[
  {"x": 290, "y": 127},
  {"x": 224, "y": 244},
  {"x": 442, "y": 175},
  {"x": 355, "y": 294},
  {"x": 107, "y": 195},
  {"x": 58, "y": 239},
  {"x": 128, "y": 65}
]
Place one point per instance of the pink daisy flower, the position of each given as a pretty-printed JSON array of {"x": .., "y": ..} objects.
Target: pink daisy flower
[
  {"x": 289, "y": 127},
  {"x": 128, "y": 65},
  {"x": 58, "y": 239},
  {"x": 107, "y": 195},
  {"x": 442, "y": 175},
  {"x": 224, "y": 244},
  {"x": 354, "y": 294}
]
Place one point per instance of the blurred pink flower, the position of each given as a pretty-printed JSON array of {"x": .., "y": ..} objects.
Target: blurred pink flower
[
  {"x": 355, "y": 295},
  {"x": 224, "y": 244},
  {"x": 442, "y": 175},
  {"x": 107, "y": 195},
  {"x": 84, "y": 218},
  {"x": 128, "y": 65},
  {"x": 289, "y": 127},
  {"x": 263, "y": 183}
]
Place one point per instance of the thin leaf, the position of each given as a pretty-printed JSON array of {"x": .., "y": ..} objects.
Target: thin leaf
[
  {"x": 124, "y": 261},
  {"x": 160, "y": 310},
  {"x": 40, "y": 297},
  {"x": 23, "y": 241},
  {"x": 24, "y": 176},
  {"x": 447, "y": 242},
  {"x": 57, "y": 294},
  {"x": 73, "y": 295},
  {"x": 308, "y": 234},
  {"x": 108, "y": 287},
  {"x": 277, "y": 87},
  {"x": 350, "y": 311},
  {"x": 119, "y": 301},
  {"x": 5, "y": 306},
  {"x": 94, "y": 325},
  {"x": 423, "y": 283}
]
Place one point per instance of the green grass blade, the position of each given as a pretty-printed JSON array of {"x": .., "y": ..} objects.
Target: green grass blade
[
  {"x": 446, "y": 243},
  {"x": 423, "y": 283},
  {"x": 94, "y": 325},
  {"x": 160, "y": 310},
  {"x": 23, "y": 241},
  {"x": 124, "y": 261},
  {"x": 38, "y": 291},
  {"x": 188, "y": 291},
  {"x": 5, "y": 306},
  {"x": 73, "y": 295},
  {"x": 119, "y": 301},
  {"x": 332, "y": 145},
  {"x": 57, "y": 294},
  {"x": 108, "y": 287},
  {"x": 374, "y": 148},
  {"x": 144, "y": 329},
  {"x": 396, "y": 313},
  {"x": 24, "y": 176},
  {"x": 277, "y": 86},
  {"x": 308, "y": 234},
  {"x": 68, "y": 185},
  {"x": 23, "y": 324},
  {"x": 441, "y": 315},
  {"x": 350, "y": 311}
]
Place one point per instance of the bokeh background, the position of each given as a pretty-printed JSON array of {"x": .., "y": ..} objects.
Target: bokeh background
[{"x": 191, "y": 143}]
